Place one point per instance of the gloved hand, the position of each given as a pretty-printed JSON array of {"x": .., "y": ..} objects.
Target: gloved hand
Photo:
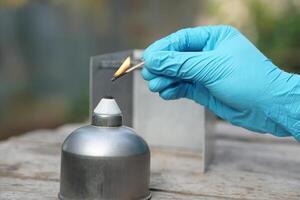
[{"x": 219, "y": 68}]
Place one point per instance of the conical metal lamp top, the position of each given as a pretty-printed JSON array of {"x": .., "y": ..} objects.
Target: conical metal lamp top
[
  {"x": 107, "y": 113},
  {"x": 107, "y": 106}
]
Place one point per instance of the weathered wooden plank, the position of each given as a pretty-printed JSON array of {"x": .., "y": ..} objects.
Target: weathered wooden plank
[
  {"x": 27, "y": 189},
  {"x": 31, "y": 189},
  {"x": 242, "y": 169},
  {"x": 239, "y": 171},
  {"x": 177, "y": 196}
]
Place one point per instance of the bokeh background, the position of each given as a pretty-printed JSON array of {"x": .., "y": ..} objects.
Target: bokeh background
[{"x": 45, "y": 46}]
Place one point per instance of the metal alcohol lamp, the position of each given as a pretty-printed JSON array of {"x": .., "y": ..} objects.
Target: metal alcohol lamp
[{"x": 105, "y": 160}]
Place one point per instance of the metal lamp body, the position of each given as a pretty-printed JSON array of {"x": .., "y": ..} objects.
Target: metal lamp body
[{"x": 101, "y": 162}]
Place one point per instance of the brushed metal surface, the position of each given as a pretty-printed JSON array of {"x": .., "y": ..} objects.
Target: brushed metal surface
[
  {"x": 105, "y": 141},
  {"x": 118, "y": 178},
  {"x": 175, "y": 123},
  {"x": 208, "y": 139}
]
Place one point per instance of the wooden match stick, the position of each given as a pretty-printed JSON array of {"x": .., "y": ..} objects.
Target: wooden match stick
[{"x": 125, "y": 68}]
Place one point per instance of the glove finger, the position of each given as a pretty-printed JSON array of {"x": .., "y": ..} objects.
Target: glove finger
[
  {"x": 281, "y": 132},
  {"x": 147, "y": 75},
  {"x": 160, "y": 83},
  {"x": 191, "y": 39},
  {"x": 203, "y": 97},
  {"x": 200, "y": 94},
  {"x": 188, "y": 66},
  {"x": 187, "y": 90},
  {"x": 176, "y": 91}
]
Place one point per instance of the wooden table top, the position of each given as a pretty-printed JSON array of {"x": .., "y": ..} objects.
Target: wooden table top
[{"x": 246, "y": 166}]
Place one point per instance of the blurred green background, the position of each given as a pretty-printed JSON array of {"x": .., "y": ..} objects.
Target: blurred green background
[{"x": 45, "y": 46}]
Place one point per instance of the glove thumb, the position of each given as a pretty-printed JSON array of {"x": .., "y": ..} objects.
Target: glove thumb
[{"x": 187, "y": 66}]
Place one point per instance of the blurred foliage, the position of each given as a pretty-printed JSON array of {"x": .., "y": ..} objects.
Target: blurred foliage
[
  {"x": 45, "y": 46},
  {"x": 13, "y": 3},
  {"x": 278, "y": 34},
  {"x": 273, "y": 25}
]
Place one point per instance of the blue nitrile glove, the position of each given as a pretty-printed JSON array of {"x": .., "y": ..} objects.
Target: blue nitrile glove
[{"x": 219, "y": 68}]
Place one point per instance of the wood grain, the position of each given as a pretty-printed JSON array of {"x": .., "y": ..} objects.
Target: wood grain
[{"x": 246, "y": 166}]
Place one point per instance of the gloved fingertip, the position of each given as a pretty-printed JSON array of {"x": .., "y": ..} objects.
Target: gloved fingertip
[
  {"x": 165, "y": 95},
  {"x": 147, "y": 75},
  {"x": 169, "y": 94},
  {"x": 153, "y": 85}
]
